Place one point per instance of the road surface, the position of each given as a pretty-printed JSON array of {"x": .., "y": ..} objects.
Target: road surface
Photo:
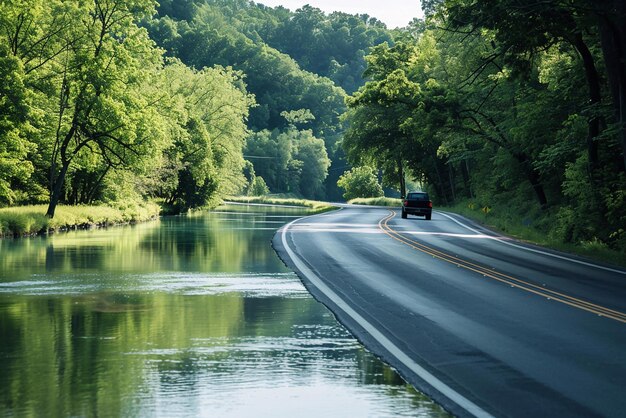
[{"x": 485, "y": 325}]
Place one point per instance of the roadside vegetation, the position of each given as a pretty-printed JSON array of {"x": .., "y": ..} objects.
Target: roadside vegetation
[
  {"x": 29, "y": 220},
  {"x": 523, "y": 116},
  {"x": 312, "y": 205},
  {"x": 376, "y": 201},
  {"x": 536, "y": 229}
]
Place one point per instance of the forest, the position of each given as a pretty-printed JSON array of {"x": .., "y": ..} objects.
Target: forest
[{"x": 512, "y": 107}]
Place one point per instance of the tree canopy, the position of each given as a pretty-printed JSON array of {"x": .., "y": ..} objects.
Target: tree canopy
[{"x": 502, "y": 103}]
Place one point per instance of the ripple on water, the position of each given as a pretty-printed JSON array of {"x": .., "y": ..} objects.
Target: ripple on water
[
  {"x": 274, "y": 376},
  {"x": 193, "y": 284}
]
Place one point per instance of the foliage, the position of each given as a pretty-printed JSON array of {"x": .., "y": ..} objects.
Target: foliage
[
  {"x": 258, "y": 187},
  {"x": 255, "y": 40},
  {"x": 206, "y": 120},
  {"x": 377, "y": 201},
  {"x": 504, "y": 104},
  {"x": 360, "y": 182},
  {"x": 315, "y": 206},
  {"x": 90, "y": 112},
  {"x": 14, "y": 127},
  {"x": 290, "y": 161}
]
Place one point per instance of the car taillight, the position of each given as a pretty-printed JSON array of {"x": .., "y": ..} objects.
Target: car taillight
[
  {"x": 406, "y": 202},
  {"x": 430, "y": 204}
]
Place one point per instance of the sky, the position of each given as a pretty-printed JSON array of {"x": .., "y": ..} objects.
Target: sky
[{"x": 394, "y": 13}]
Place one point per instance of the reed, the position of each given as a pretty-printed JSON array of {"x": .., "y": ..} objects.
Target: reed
[{"x": 30, "y": 220}]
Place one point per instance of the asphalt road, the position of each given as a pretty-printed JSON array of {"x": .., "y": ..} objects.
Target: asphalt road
[{"x": 485, "y": 325}]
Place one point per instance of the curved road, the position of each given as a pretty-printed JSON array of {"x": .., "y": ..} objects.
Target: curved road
[{"x": 485, "y": 325}]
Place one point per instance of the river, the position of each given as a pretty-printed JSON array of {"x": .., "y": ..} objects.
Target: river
[{"x": 187, "y": 316}]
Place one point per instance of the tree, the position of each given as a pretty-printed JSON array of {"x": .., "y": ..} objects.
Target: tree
[
  {"x": 205, "y": 112},
  {"x": 14, "y": 127},
  {"x": 97, "y": 77},
  {"x": 525, "y": 29},
  {"x": 360, "y": 182},
  {"x": 311, "y": 151},
  {"x": 258, "y": 187},
  {"x": 380, "y": 110}
]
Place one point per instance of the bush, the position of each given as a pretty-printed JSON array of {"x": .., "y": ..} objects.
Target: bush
[
  {"x": 376, "y": 201},
  {"x": 360, "y": 182},
  {"x": 258, "y": 187}
]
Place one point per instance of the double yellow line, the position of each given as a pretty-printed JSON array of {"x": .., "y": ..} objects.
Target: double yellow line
[{"x": 501, "y": 277}]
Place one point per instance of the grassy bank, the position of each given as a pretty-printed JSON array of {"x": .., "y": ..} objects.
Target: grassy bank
[
  {"x": 313, "y": 205},
  {"x": 536, "y": 229},
  {"x": 376, "y": 201},
  {"x": 28, "y": 220}
]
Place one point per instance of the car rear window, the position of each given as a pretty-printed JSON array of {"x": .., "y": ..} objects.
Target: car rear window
[{"x": 417, "y": 196}]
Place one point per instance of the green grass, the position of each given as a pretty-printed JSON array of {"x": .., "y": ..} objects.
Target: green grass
[
  {"x": 376, "y": 201},
  {"x": 535, "y": 228},
  {"x": 28, "y": 220},
  {"x": 312, "y": 205}
]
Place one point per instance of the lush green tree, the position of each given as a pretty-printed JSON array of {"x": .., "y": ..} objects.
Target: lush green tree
[
  {"x": 93, "y": 78},
  {"x": 291, "y": 161},
  {"x": 524, "y": 30},
  {"x": 270, "y": 153},
  {"x": 360, "y": 182},
  {"x": 205, "y": 114},
  {"x": 544, "y": 64},
  {"x": 258, "y": 187},
  {"x": 311, "y": 151},
  {"x": 14, "y": 127},
  {"x": 265, "y": 44},
  {"x": 380, "y": 109}
]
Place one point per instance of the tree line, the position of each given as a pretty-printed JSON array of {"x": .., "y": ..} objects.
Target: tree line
[
  {"x": 505, "y": 103},
  {"x": 91, "y": 110},
  {"x": 300, "y": 61},
  {"x": 109, "y": 100}
]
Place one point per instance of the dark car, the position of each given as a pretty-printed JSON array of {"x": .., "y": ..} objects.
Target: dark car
[{"x": 417, "y": 203}]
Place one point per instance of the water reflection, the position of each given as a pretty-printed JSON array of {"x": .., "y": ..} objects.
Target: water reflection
[{"x": 189, "y": 316}]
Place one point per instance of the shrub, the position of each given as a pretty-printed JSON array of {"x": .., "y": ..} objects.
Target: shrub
[
  {"x": 258, "y": 187},
  {"x": 360, "y": 182}
]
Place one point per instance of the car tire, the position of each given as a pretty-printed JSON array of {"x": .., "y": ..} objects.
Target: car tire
[
  {"x": 404, "y": 214},
  {"x": 428, "y": 217}
]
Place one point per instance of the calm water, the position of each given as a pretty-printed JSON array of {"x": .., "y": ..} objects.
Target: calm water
[{"x": 188, "y": 316}]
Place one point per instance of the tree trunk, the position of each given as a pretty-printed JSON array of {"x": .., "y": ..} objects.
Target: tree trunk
[
  {"x": 613, "y": 39},
  {"x": 595, "y": 97},
  {"x": 402, "y": 180},
  {"x": 534, "y": 178},
  {"x": 442, "y": 189},
  {"x": 57, "y": 190},
  {"x": 466, "y": 178},
  {"x": 451, "y": 176}
]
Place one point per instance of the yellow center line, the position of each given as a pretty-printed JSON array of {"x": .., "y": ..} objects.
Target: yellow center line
[{"x": 501, "y": 277}]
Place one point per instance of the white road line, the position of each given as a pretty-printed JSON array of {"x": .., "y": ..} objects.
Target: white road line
[
  {"x": 535, "y": 250},
  {"x": 440, "y": 386}
]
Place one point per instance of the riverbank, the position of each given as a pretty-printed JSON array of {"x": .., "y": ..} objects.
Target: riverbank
[
  {"x": 314, "y": 206},
  {"x": 31, "y": 220}
]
